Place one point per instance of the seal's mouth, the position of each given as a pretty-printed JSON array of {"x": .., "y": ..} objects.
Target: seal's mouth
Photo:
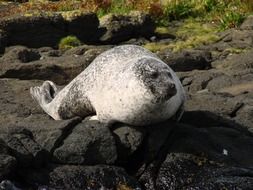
[{"x": 165, "y": 93}]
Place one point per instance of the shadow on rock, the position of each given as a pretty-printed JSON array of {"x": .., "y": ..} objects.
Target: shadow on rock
[{"x": 205, "y": 151}]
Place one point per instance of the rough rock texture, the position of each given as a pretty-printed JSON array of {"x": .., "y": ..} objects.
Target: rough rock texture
[
  {"x": 46, "y": 29},
  {"x": 3, "y": 41},
  {"x": 187, "y": 60},
  {"x": 34, "y": 31},
  {"x": 20, "y": 54},
  {"x": 248, "y": 23},
  {"x": 83, "y": 26},
  {"x": 80, "y": 177},
  {"x": 185, "y": 171},
  {"x": 121, "y": 27},
  {"x": 60, "y": 69},
  {"x": 128, "y": 140},
  {"x": 38, "y": 30},
  {"x": 89, "y": 143},
  {"x": 7, "y": 165}
]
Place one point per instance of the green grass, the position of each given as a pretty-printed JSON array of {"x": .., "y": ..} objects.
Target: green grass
[
  {"x": 231, "y": 20},
  {"x": 226, "y": 13},
  {"x": 191, "y": 34},
  {"x": 116, "y": 7},
  {"x": 69, "y": 42}
]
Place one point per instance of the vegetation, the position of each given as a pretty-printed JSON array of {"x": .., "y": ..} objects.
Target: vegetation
[
  {"x": 202, "y": 18},
  {"x": 190, "y": 34},
  {"x": 225, "y": 13},
  {"x": 69, "y": 42}
]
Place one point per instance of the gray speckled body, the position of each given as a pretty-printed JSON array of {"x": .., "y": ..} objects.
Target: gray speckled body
[{"x": 126, "y": 84}]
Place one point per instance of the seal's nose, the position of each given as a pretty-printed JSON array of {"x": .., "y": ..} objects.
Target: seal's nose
[
  {"x": 172, "y": 90},
  {"x": 172, "y": 86}
]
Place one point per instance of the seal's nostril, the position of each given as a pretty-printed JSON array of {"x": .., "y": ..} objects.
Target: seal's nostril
[{"x": 172, "y": 86}]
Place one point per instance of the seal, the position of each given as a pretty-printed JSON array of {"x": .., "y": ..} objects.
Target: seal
[{"x": 127, "y": 84}]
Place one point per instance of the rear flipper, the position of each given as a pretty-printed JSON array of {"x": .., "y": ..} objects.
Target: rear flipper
[{"x": 44, "y": 94}]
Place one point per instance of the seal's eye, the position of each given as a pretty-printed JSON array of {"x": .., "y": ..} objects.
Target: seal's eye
[
  {"x": 154, "y": 74},
  {"x": 169, "y": 74}
]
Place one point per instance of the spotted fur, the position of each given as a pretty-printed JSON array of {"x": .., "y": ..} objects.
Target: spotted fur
[{"x": 126, "y": 84}]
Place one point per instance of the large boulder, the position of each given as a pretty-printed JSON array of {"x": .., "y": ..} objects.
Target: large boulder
[
  {"x": 89, "y": 143},
  {"x": 128, "y": 140},
  {"x": 186, "y": 171},
  {"x": 20, "y": 54},
  {"x": 30, "y": 135},
  {"x": 46, "y": 29},
  {"x": 120, "y": 28},
  {"x": 79, "y": 177},
  {"x": 34, "y": 30},
  {"x": 82, "y": 25}
]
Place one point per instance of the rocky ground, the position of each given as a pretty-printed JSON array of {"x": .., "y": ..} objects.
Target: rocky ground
[{"x": 210, "y": 148}]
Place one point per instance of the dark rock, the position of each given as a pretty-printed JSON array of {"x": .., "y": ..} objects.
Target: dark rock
[
  {"x": 160, "y": 36},
  {"x": 187, "y": 60},
  {"x": 219, "y": 143},
  {"x": 232, "y": 41},
  {"x": 212, "y": 102},
  {"x": 229, "y": 96},
  {"x": 82, "y": 25},
  {"x": 80, "y": 177},
  {"x": 20, "y": 54},
  {"x": 183, "y": 171},
  {"x": 81, "y": 50},
  {"x": 7, "y": 165},
  {"x": 244, "y": 116},
  {"x": 136, "y": 41},
  {"x": 8, "y": 185},
  {"x": 34, "y": 30},
  {"x": 61, "y": 70},
  {"x": 25, "y": 126},
  {"x": 3, "y": 147},
  {"x": 197, "y": 80},
  {"x": 49, "y": 52},
  {"x": 7, "y": 162},
  {"x": 217, "y": 81},
  {"x": 208, "y": 147},
  {"x": 23, "y": 146},
  {"x": 237, "y": 62},
  {"x": 247, "y": 24},
  {"x": 156, "y": 138},
  {"x": 89, "y": 143},
  {"x": 45, "y": 49},
  {"x": 44, "y": 29},
  {"x": 128, "y": 140},
  {"x": 124, "y": 27},
  {"x": 3, "y": 41},
  {"x": 237, "y": 38}
]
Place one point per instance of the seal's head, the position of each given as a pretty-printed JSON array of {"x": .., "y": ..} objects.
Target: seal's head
[{"x": 157, "y": 77}]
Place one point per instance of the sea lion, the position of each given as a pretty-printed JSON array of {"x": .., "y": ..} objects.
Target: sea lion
[{"x": 127, "y": 84}]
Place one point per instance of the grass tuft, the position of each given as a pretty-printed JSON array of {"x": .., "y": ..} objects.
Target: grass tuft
[{"x": 69, "y": 42}]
